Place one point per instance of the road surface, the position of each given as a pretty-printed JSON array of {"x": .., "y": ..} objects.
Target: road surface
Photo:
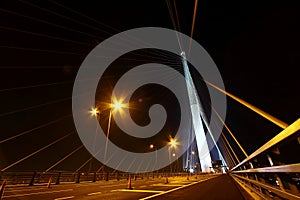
[{"x": 200, "y": 187}]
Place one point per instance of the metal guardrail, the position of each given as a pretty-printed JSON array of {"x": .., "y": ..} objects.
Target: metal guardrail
[
  {"x": 40, "y": 178},
  {"x": 272, "y": 191},
  {"x": 273, "y": 171}
]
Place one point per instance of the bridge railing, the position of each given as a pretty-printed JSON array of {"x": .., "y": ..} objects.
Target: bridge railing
[
  {"x": 273, "y": 171},
  {"x": 58, "y": 177}
]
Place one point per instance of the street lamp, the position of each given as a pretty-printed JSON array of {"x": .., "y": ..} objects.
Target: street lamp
[
  {"x": 94, "y": 112},
  {"x": 152, "y": 147},
  {"x": 192, "y": 160},
  {"x": 117, "y": 105},
  {"x": 113, "y": 107},
  {"x": 173, "y": 143}
]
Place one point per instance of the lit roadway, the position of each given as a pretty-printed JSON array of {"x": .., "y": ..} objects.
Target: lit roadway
[{"x": 202, "y": 187}]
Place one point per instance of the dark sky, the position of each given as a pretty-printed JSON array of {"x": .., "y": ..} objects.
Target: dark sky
[{"x": 254, "y": 44}]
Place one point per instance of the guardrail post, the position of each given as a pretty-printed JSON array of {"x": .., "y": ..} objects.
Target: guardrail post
[
  {"x": 279, "y": 182},
  {"x": 276, "y": 176},
  {"x": 78, "y": 178},
  {"x": 106, "y": 177},
  {"x": 31, "y": 183},
  {"x": 58, "y": 178},
  {"x": 255, "y": 176},
  {"x": 94, "y": 177},
  {"x": 118, "y": 176}
]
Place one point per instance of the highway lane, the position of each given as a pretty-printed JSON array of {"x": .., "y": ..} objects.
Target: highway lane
[
  {"x": 222, "y": 187},
  {"x": 101, "y": 189}
]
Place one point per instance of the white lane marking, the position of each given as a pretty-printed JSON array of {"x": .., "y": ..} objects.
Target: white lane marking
[
  {"x": 37, "y": 193},
  {"x": 104, "y": 186},
  {"x": 167, "y": 185},
  {"x": 178, "y": 188},
  {"x": 94, "y": 193},
  {"x": 143, "y": 186},
  {"x": 101, "y": 183},
  {"x": 62, "y": 198},
  {"x": 128, "y": 190},
  {"x": 22, "y": 190}
]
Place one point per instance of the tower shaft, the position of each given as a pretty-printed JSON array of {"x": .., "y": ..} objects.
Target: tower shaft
[{"x": 196, "y": 110}]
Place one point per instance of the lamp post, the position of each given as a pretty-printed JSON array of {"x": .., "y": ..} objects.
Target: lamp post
[
  {"x": 116, "y": 106},
  {"x": 95, "y": 112},
  {"x": 173, "y": 144},
  {"x": 193, "y": 161},
  {"x": 152, "y": 147}
]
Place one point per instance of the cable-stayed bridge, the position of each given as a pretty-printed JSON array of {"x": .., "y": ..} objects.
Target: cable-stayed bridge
[{"x": 42, "y": 157}]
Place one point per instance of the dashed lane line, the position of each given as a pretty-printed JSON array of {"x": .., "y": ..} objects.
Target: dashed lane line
[
  {"x": 94, "y": 193},
  {"x": 167, "y": 185},
  {"x": 37, "y": 193},
  {"x": 145, "y": 191},
  {"x": 25, "y": 189},
  {"x": 105, "y": 186},
  {"x": 63, "y": 198}
]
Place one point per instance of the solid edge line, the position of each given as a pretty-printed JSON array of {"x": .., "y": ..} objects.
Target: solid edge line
[{"x": 253, "y": 194}]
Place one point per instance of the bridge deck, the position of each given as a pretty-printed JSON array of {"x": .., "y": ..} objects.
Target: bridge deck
[
  {"x": 222, "y": 187},
  {"x": 202, "y": 187}
]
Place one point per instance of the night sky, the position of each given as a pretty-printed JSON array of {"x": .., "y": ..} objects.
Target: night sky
[{"x": 43, "y": 43}]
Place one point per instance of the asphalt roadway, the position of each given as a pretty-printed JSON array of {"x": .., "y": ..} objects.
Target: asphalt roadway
[{"x": 175, "y": 188}]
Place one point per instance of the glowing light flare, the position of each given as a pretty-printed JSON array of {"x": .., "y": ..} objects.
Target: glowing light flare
[
  {"x": 173, "y": 143},
  {"x": 151, "y": 146},
  {"x": 94, "y": 112},
  {"x": 117, "y": 105}
]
